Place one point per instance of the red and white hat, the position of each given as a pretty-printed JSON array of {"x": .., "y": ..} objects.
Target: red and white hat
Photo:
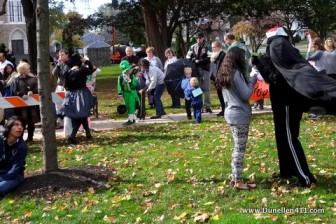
[{"x": 276, "y": 31}]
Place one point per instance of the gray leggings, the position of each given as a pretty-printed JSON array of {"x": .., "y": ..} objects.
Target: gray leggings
[{"x": 240, "y": 136}]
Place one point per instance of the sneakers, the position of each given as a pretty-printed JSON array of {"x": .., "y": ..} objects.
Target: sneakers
[
  {"x": 155, "y": 117},
  {"x": 127, "y": 123},
  {"x": 312, "y": 117},
  {"x": 220, "y": 114},
  {"x": 208, "y": 110},
  {"x": 2, "y": 129},
  {"x": 59, "y": 123},
  {"x": 72, "y": 141},
  {"x": 241, "y": 185},
  {"x": 140, "y": 120}
]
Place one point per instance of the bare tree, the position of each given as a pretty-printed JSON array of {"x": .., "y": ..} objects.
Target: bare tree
[{"x": 43, "y": 73}]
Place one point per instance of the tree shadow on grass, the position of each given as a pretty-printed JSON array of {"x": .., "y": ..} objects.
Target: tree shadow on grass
[{"x": 70, "y": 180}]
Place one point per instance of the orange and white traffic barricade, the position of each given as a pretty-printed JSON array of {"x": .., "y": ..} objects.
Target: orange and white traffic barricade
[{"x": 34, "y": 100}]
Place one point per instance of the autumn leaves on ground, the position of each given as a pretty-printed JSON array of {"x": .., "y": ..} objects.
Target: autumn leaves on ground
[{"x": 175, "y": 173}]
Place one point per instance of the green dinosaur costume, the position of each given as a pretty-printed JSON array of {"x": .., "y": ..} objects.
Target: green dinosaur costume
[{"x": 127, "y": 87}]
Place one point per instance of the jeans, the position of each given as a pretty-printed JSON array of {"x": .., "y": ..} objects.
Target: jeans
[
  {"x": 157, "y": 99},
  {"x": 205, "y": 83},
  {"x": 7, "y": 185}
]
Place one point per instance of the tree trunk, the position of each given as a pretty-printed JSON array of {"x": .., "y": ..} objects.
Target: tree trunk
[
  {"x": 3, "y": 8},
  {"x": 29, "y": 7},
  {"x": 44, "y": 87},
  {"x": 153, "y": 34}
]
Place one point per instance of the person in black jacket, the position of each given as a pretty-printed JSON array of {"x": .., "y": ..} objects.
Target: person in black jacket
[
  {"x": 198, "y": 54},
  {"x": 79, "y": 100},
  {"x": 295, "y": 86},
  {"x": 216, "y": 60}
]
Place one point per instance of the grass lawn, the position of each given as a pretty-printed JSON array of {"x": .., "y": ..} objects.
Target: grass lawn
[{"x": 179, "y": 173}]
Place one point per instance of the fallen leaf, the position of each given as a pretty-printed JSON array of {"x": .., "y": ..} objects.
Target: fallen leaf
[
  {"x": 209, "y": 203},
  {"x": 181, "y": 216},
  {"x": 28, "y": 214},
  {"x": 201, "y": 217},
  {"x": 91, "y": 190},
  {"x": 109, "y": 219}
]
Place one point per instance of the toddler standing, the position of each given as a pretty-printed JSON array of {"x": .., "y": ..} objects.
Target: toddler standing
[
  {"x": 195, "y": 94},
  {"x": 185, "y": 85}
]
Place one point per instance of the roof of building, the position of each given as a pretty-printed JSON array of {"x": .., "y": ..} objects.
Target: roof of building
[
  {"x": 91, "y": 37},
  {"x": 98, "y": 44}
]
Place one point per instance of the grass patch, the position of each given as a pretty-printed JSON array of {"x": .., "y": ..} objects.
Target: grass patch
[
  {"x": 178, "y": 173},
  {"x": 107, "y": 72}
]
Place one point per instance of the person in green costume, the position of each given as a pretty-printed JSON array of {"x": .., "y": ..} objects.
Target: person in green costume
[{"x": 127, "y": 88}]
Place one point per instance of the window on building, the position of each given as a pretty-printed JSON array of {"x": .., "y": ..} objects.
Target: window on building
[
  {"x": 15, "y": 13},
  {"x": 17, "y": 47}
]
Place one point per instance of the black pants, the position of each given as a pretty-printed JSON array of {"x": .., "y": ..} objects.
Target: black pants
[
  {"x": 175, "y": 100},
  {"x": 188, "y": 107},
  {"x": 291, "y": 156},
  {"x": 221, "y": 99},
  {"x": 142, "y": 107},
  {"x": 76, "y": 123}
]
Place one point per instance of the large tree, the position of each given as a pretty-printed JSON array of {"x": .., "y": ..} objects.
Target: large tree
[
  {"x": 254, "y": 29},
  {"x": 319, "y": 16},
  {"x": 161, "y": 18},
  {"x": 29, "y": 12},
  {"x": 57, "y": 19},
  {"x": 43, "y": 74}
]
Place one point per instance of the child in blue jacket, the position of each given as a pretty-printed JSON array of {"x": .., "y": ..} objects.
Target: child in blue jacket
[
  {"x": 185, "y": 85},
  {"x": 195, "y": 94}
]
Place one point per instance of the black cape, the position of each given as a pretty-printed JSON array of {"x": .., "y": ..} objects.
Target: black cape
[
  {"x": 298, "y": 73},
  {"x": 175, "y": 75}
]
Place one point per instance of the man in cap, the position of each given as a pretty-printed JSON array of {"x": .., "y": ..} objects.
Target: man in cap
[
  {"x": 231, "y": 41},
  {"x": 127, "y": 83},
  {"x": 198, "y": 54},
  {"x": 295, "y": 86}
]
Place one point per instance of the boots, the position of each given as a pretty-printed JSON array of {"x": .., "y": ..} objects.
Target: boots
[
  {"x": 72, "y": 140},
  {"x": 88, "y": 133}
]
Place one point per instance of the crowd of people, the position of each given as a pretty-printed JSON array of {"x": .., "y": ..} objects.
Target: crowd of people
[{"x": 296, "y": 86}]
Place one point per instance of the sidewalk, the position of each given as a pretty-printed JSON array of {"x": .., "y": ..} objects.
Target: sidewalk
[{"x": 110, "y": 124}]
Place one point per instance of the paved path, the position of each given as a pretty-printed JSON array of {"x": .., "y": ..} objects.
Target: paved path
[{"x": 109, "y": 124}]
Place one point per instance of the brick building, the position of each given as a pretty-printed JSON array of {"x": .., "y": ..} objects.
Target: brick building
[{"x": 13, "y": 29}]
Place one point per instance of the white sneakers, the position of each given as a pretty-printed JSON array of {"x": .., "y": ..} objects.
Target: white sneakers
[
  {"x": 2, "y": 129},
  {"x": 139, "y": 120}
]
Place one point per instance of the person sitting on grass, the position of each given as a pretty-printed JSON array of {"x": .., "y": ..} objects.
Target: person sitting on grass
[
  {"x": 13, "y": 152},
  {"x": 127, "y": 84},
  {"x": 195, "y": 95}
]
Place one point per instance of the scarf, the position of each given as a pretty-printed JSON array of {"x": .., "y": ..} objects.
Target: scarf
[{"x": 214, "y": 56}]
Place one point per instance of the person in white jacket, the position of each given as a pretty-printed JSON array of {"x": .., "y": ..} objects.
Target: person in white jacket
[{"x": 154, "y": 80}]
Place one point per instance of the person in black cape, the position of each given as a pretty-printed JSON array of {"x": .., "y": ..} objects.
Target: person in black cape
[
  {"x": 174, "y": 77},
  {"x": 295, "y": 87},
  {"x": 78, "y": 100}
]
